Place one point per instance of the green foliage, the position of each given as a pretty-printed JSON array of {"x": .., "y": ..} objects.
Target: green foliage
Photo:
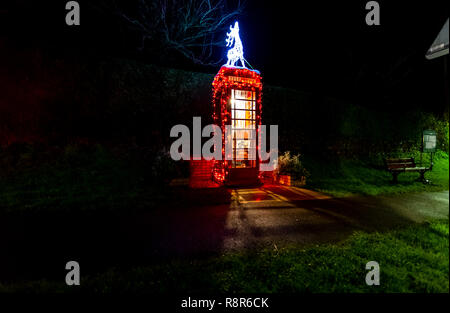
[
  {"x": 119, "y": 100},
  {"x": 429, "y": 121},
  {"x": 317, "y": 125},
  {"x": 366, "y": 132},
  {"x": 412, "y": 259}
]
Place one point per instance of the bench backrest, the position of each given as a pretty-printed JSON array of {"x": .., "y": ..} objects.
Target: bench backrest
[{"x": 400, "y": 163}]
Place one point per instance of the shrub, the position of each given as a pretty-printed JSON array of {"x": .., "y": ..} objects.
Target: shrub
[
  {"x": 291, "y": 165},
  {"x": 164, "y": 169}
]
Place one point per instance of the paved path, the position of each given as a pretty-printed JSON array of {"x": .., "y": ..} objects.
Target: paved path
[
  {"x": 277, "y": 216},
  {"x": 201, "y": 222}
]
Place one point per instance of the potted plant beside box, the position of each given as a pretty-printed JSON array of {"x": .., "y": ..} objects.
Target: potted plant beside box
[{"x": 290, "y": 170}]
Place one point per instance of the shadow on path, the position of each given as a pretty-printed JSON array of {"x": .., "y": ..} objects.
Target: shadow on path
[{"x": 199, "y": 223}]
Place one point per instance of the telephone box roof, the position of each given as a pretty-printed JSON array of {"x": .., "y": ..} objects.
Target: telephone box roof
[
  {"x": 230, "y": 69},
  {"x": 230, "y": 74}
]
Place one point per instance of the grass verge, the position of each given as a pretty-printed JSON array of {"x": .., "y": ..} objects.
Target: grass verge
[
  {"x": 344, "y": 177},
  {"x": 412, "y": 259},
  {"x": 78, "y": 178}
]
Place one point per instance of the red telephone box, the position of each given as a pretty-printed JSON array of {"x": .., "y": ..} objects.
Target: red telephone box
[{"x": 237, "y": 93}]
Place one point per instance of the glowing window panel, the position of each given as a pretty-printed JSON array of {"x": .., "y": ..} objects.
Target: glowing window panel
[{"x": 243, "y": 128}]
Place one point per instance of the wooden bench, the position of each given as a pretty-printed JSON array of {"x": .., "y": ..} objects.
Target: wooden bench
[{"x": 401, "y": 165}]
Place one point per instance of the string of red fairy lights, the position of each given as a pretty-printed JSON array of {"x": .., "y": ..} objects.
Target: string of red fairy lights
[{"x": 229, "y": 78}]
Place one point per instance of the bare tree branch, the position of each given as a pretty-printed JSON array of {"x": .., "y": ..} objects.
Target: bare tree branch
[{"x": 190, "y": 27}]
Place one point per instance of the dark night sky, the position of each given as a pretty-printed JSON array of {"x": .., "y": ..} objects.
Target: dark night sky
[
  {"x": 331, "y": 50},
  {"x": 324, "y": 47}
]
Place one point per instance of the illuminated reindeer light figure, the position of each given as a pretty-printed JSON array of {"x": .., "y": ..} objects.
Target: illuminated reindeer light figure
[{"x": 237, "y": 52}]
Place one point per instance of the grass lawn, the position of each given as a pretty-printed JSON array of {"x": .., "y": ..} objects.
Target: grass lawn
[
  {"x": 413, "y": 259},
  {"x": 343, "y": 177}
]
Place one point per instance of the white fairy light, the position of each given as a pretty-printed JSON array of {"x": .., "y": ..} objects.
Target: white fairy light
[{"x": 236, "y": 53}]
